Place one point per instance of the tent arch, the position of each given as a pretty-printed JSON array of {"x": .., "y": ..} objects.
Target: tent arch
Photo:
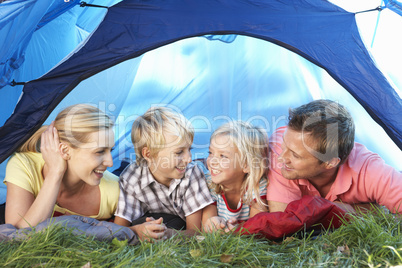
[{"x": 142, "y": 30}]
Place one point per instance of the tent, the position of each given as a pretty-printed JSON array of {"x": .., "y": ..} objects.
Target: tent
[{"x": 214, "y": 60}]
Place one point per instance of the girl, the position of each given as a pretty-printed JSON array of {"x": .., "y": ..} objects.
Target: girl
[{"x": 237, "y": 164}]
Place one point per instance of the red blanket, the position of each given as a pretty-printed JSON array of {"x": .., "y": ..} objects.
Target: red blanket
[{"x": 304, "y": 213}]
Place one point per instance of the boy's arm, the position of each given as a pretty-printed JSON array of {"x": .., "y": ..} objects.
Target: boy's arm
[
  {"x": 151, "y": 229},
  {"x": 193, "y": 223},
  {"x": 120, "y": 221}
]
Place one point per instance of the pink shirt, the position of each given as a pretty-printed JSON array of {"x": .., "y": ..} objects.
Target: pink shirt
[{"x": 363, "y": 178}]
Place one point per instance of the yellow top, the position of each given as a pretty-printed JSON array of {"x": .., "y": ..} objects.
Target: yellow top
[{"x": 25, "y": 171}]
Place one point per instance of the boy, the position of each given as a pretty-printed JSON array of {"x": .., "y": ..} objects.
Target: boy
[{"x": 162, "y": 182}]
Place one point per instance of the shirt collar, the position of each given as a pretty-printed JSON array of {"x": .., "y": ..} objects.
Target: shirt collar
[
  {"x": 147, "y": 179},
  {"x": 341, "y": 185}
]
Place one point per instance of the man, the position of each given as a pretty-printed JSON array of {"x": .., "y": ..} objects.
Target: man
[{"x": 315, "y": 154}]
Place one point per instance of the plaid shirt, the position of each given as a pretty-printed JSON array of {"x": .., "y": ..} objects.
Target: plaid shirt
[{"x": 141, "y": 193}]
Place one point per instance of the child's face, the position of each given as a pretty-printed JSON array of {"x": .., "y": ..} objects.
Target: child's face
[
  {"x": 171, "y": 162},
  {"x": 224, "y": 162}
]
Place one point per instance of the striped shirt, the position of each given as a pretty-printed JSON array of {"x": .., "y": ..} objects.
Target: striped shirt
[
  {"x": 242, "y": 212},
  {"x": 141, "y": 193}
]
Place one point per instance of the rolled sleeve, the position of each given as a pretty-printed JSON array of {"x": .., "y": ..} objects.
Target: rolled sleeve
[
  {"x": 382, "y": 183},
  {"x": 128, "y": 207}
]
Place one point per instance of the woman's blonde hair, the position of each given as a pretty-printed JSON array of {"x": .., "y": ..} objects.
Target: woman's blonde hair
[
  {"x": 252, "y": 144},
  {"x": 148, "y": 130},
  {"x": 74, "y": 125}
]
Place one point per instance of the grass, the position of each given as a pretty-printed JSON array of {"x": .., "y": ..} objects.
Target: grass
[{"x": 371, "y": 240}]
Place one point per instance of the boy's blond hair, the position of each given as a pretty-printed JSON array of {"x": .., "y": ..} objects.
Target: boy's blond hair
[
  {"x": 252, "y": 144},
  {"x": 148, "y": 130}
]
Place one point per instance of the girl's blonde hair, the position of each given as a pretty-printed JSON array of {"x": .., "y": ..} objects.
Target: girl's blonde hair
[
  {"x": 74, "y": 125},
  {"x": 252, "y": 144}
]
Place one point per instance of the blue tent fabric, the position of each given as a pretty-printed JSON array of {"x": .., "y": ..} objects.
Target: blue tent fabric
[
  {"x": 394, "y": 5},
  {"x": 317, "y": 30},
  {"x": 33, "y": 15},
  {"x": 35, "y": 36}
]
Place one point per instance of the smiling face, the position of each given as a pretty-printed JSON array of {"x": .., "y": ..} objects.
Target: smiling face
[
  {"x": 170, "y": 162},
  {"x": 297, "y": 161},
  {"x": 90, "y": 160},
  {"x": 224, "y": 162}
]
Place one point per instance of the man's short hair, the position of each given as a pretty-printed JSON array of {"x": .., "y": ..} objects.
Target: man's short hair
[
  {"x": 329, "y": 125},
  {"x": 148, "y": 130}
]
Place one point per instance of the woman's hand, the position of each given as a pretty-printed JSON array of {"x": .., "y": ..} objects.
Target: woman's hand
[
  {"x": 50, "y": 149},
  {"x": 23, "y": 208}
]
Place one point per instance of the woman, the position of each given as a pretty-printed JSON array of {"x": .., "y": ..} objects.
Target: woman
[{"x": 62, "y": 169}]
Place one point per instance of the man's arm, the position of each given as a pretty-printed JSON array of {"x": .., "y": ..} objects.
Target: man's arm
[
  {"x": 256, "y": 208},
  {"x": 366, "y": 207},
  {"x": 274, "y": 206},
  {"x": 358, "y": 208}
]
